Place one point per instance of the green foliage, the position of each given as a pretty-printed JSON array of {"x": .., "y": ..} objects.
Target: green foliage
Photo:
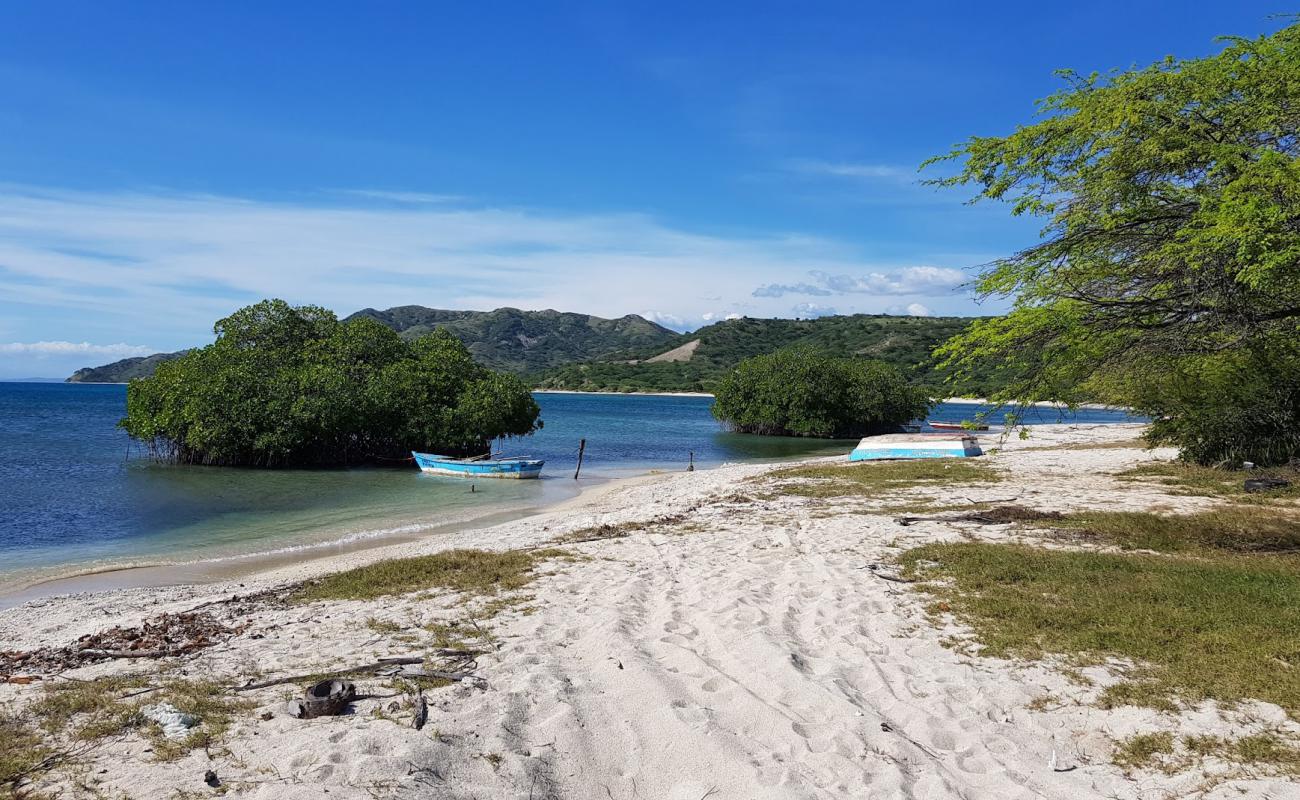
[
  {"x": 1220, "y": 625},
  {"x": 903, "y": 342},
  {"x": 285, "y": 386},
  {"x": 799, "y": 391},
  {"x": 1169, "y": 270}
]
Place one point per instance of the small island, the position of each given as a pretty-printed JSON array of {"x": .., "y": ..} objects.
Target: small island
[{"x": 286, "y": 386}]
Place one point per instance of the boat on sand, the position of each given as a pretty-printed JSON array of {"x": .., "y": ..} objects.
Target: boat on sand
[{"x": 916, "y": 445}]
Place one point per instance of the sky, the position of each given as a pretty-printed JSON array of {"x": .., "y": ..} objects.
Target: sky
[{"x": 163, "y": 164}]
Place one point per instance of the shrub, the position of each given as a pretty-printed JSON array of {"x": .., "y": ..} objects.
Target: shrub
[
  {"x": 800, "y": 391},
  {"x": 284, "y": 386}
]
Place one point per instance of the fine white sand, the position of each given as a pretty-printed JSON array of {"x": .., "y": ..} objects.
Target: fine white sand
[{"x": 745, "y": 646}]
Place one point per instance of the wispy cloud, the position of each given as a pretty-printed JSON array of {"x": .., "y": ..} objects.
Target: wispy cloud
[
  {"x": 920, "y": 280},
  {"x": 846, "y": 169},
  {"x": 119, "y": 350},
  {"x": 411, "y": 198},
  {"x": 88, "y": 263}
]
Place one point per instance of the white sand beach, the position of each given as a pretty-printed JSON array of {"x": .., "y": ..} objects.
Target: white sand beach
[{"x": 739, "y": 643}]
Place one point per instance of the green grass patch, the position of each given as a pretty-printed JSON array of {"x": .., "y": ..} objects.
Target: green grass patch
[
  {"x": 1223, "y": 626},
  {"x": 1245, "y": 529},
  {"x": 1191, "y": 479},
  {"x": 1143, "y": 750},
  {"x": 472, "y": 572},
  {"x": 107, "y": 707},
  {"x": 23, "y": 754},
  {"x": 872, "y": 479}
]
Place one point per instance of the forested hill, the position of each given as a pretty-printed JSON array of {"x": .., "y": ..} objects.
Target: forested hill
[
  {"x": 507, "y": 339},
  {"x": 124, "y": 370},
  {"x": 525, "y": 342},
  {"x": 695, "y": 361}
]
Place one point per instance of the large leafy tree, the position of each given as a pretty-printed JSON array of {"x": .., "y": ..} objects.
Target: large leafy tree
[
  {"x": 1168, "y": 272},
  {"x": 293, "y": 386},
  {"x": 803, "y": 391}
]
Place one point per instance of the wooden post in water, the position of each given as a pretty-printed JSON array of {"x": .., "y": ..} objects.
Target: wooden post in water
[
  {"x": 691, "y": 467},
  {"x": 582, "y": 447}
]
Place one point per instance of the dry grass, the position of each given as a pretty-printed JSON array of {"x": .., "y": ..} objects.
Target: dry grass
[
  {"x": 874, "y": 479},
  {"x": 1143, "y": 750},
  {"x": 1219, "y": 625},
  {"x": 470, "y": 572}
]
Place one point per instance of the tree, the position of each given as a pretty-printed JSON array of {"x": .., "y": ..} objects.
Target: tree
[
  {"x": 801, "y": 391},
  {"x": 1169, "y": 265},
  {"x": 292, "y": 386}
]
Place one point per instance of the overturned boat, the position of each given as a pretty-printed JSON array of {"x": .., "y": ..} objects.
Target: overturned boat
[{"x": 916, "y": 445}]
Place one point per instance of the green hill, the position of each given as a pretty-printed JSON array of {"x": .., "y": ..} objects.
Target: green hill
[
  {"x": 507, "y": 339},
  {"x": 124, "y": 370},
  {"x": 905, "y": 342},
  {"x": 526, "y": 342}
]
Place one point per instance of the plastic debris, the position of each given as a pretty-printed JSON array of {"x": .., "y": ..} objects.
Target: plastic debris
[{"x": 175, "y": 723}]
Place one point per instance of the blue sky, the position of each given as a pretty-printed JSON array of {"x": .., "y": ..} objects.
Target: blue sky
[{"x": 164, "y": 163}]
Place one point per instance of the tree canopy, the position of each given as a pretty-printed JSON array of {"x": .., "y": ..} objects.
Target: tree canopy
[
  {"x": 1169, "y": 265},
  {"x": 293, "y": 386},
  {"x": 802, "y": 391}
]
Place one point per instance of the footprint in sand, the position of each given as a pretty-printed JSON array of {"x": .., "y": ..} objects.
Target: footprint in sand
[
  {"x": 694, "y": 716},
  {"x": 714, "y": 684}
]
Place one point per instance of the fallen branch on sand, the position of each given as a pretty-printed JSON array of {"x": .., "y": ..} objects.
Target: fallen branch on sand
[{"x": 389, "y": 666}]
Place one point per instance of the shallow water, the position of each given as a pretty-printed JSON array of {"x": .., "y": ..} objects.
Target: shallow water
[{"x": 75, "y": 496}]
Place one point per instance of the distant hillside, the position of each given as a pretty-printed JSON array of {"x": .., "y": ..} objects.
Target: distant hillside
[
  {"x": 124, "y": 370},
  {"x": 529, "y": 341},
  {"x": 695, "y": 361},
  {"x": 522, "y": 342}
]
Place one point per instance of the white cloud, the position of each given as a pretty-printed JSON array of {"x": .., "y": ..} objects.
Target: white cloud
[
  {"x": 667, "y": 320},
  {"x": 119, "y": 350},
  {"x": 842, "y": 169},
  {"x": 812, "y": 310},
  {"x": 911, "y": 310},
  {"x": 734, "y": 316},
  {"x": 90, "y": 264},
  {"x": 922, "y": 280},
  {"x": 414, "y": 198}
]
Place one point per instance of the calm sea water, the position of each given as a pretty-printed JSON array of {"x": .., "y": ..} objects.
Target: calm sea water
[{"x": 75, "y": 495}]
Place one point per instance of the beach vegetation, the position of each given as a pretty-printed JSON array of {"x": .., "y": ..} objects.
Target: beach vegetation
[
  {"x": 1167, "y": 274},
  {"x": 1211, "y": 625},
  {"x": 1143, "y": 750},
  {"x": 24, "y": 758},
  {"x": 1245, "y": 529},
  {"x": 466, "y": 571},
  {"x": 1195, "y": 480},
  {"x": 802, "y": 391},
  {"x": 876, "y": 479},
  {"x": 286, "y": 386},
  {"x": 91, "y": 711}
]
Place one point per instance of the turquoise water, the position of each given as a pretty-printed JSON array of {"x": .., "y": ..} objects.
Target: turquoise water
[{"x": 76, "y": 496}]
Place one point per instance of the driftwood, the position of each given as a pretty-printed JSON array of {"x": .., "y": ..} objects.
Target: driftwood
[
  {"x": 394, "y": 664},
  {"x": 421, "y": 711}
]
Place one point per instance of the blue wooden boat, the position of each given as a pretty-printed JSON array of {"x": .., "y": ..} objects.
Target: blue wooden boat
[
  {"x": 479, "y": 468},
  {"x": 916, "y": 445}
]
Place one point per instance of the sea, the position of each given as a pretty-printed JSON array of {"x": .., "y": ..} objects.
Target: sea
[{"x": 78, "y": 498}]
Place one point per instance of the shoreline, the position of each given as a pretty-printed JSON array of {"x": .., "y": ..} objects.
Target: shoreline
[
  {"x": 148, "y": 574},
  {"x": 697, "y": 632}
]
